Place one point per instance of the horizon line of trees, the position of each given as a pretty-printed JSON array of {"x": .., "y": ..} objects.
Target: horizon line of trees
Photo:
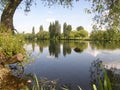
[{"x": 54, "y": 32}]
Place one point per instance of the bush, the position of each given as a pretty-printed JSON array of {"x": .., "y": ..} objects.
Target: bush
[{"x": 10, "y": 45}]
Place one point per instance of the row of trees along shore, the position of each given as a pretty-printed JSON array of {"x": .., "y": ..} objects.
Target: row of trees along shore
[{"x": 54, "y": 32}]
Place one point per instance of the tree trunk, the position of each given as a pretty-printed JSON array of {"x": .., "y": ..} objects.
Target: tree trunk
[{"x": 8, "y": 13}]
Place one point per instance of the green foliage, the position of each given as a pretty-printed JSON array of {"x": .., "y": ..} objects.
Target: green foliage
[
  {"x": 42, "y": 35},
  {"x": 94, "y": 87},
  {"x": 55, "y": 33},
  {"x": 80, "y": 28},
  {"x": 108, "y": 35},
  {"x": 33, "y": 30},
  {"x": 37, "y": 82},
  {"x": 106, "y": 13},
  {"x": 82, "y": 33},
  {"x": 41, "y": 28},
  {"x": 11, "y": 45},
  {"x": 106, "y": 85},
  {"x": 100, "y": 83},
  {"x": 66, "y": 30},
  {"x": 54, "y": 30}
]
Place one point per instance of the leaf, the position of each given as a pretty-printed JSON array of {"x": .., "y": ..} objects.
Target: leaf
[
  {"x": 100, "y": 83},
  {"x": 79, "y": 87},
  {"x": 94, "y": 87}
]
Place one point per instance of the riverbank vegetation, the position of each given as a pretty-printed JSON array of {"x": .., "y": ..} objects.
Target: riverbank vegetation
[
  {"x": 105, "y": 35},
  {"x": 54, "y": 32},
  {"x": 10, "y": 45}
]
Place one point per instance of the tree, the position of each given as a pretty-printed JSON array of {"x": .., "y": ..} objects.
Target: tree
[
  {"x": 57, "y": 29},
  {"x": 83, "y": 33},
  {"x": 9, "y": 7},
  {"x": 111, "y": 7},
  {"x": 68, "y": 29},
  {"x": 54, "y": 30},
  {"x": 106, "y": 13},
  {"x": 41, "y": 28},
  {"x": 64, "y": 29},
  {"x": 33, "y": 31},
  {"x": 51, "y": 30},
  {"x": 80, "y": 28}
]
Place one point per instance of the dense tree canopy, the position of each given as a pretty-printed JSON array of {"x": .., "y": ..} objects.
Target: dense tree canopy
[{"x": 107, "y": 13}]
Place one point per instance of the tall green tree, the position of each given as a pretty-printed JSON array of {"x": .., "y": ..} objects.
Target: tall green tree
[
  {"x": 33, "y": 30},
  {"x": 41, "y": 28},
  {"x": 64, "y": 29},
  {"x": 68, "y": 29},
  {"x": 54, "y": 30},
  {"x": 57, "y": 29}
]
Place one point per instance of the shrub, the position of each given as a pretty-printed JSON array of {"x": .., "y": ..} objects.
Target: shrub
[{"x": 10, "y": 45}]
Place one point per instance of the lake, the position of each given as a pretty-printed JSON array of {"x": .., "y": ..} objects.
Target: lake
[{"x": 73, "y": 63}]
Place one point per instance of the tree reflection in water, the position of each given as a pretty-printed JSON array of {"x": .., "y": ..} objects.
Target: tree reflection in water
[
  {"x": 80, "y": 46},
  {"x": 109, "y": 45},
  {"x": 54, "y": 48},
  {"x": 96, "y": 72},
  {"x": 66, "y": 48}
]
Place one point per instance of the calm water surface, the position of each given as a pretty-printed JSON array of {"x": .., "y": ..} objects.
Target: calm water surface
[{"x": 71, "y": 62}]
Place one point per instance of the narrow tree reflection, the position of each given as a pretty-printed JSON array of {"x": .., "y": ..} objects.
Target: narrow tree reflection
[
  {"x": 42, "y": 44},
  {"x": 54, "y": 48},
  {"x": 66, "y": 48}
]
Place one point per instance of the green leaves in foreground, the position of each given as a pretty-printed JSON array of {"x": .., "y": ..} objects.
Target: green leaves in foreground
[
  {"x": 37, "y": 83},
  {"x": 11, "y": 45},
  {"x": 106, "y": 85},
  {"x": 94, "y": 87}
]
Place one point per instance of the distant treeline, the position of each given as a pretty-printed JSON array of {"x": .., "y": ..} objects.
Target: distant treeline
[{"x": 54, "y": 32}]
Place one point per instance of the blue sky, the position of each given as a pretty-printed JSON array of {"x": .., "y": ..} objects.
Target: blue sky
[{"x": 43, "y": 15}]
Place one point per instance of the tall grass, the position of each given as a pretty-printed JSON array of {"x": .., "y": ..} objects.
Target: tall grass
[{"x": 103, "y": 84}]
